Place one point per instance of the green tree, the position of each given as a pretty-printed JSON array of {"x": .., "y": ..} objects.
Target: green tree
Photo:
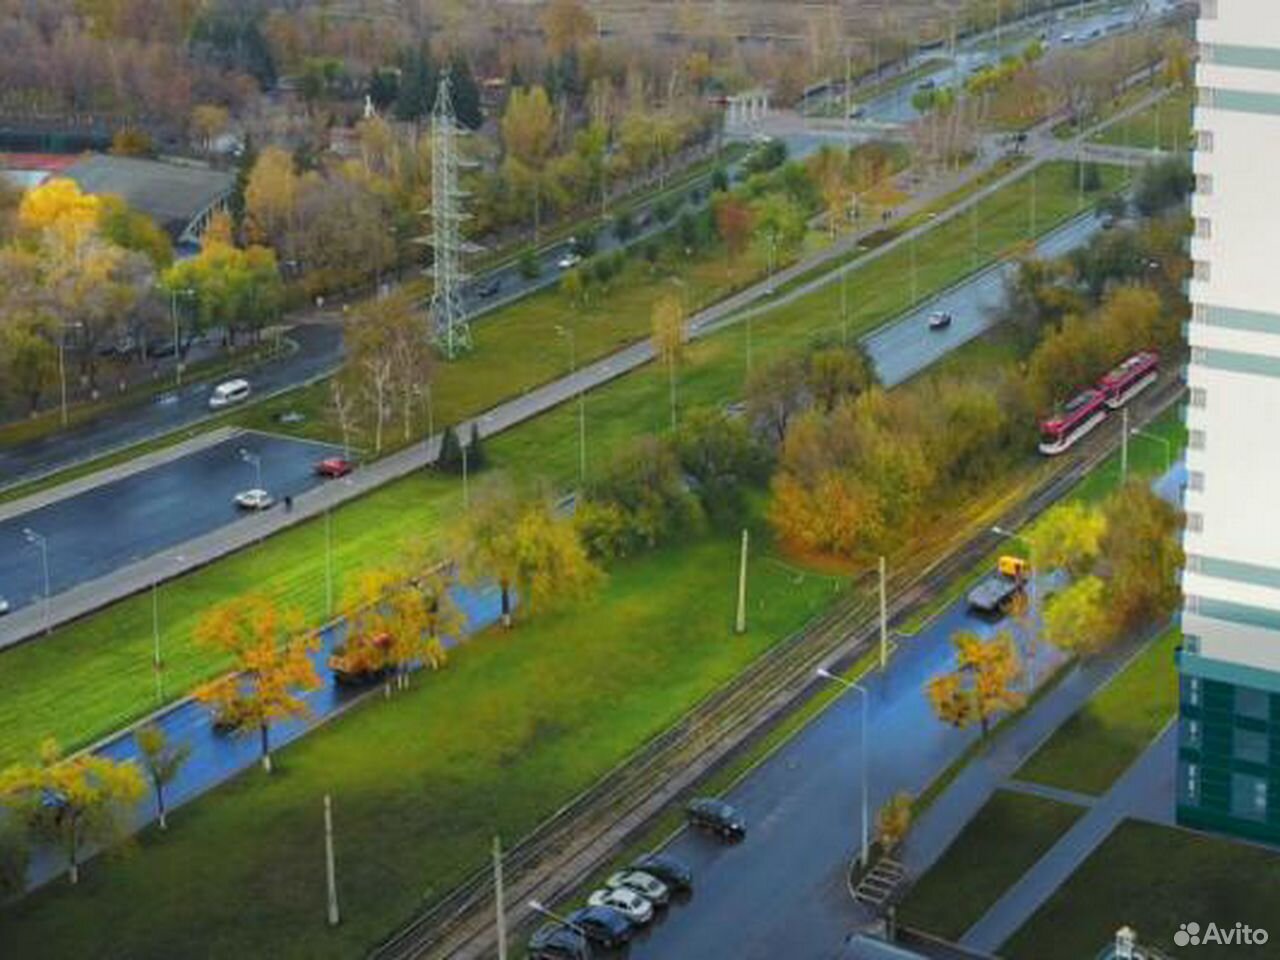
[
  {"x": 161, "y": 761},
  {"x": 528, "y": 132},
  {"x": 449, "y": 459},
  {"x": 1068, "y": 538},
  {"x": 1076, "y": 619},
  {"x": 523, "y": 545},
  {"x": 477, "y": 460}
]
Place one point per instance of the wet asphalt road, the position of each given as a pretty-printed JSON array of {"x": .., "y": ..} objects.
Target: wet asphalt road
[
  {"x": 95, "y": 532},
  {"x": 782, "y": 892},
  {"x": 905, "y": 347},
  {"x": 319, "y": 351}
]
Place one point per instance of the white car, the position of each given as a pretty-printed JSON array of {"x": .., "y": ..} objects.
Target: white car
[
  {"x": 626, "y": 901},
  {"x": 4, "y": 606},
  {"x": 568, "y": 261},
  {"x": 254, "y": 499},
  {"x": 645, "y": 884},
  {"x": 229, "y": 393}
]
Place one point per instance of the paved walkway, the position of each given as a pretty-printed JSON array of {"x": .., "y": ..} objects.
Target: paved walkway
[
  {"x": 1145, "y": 791},
  {"x": 973, "y": 787}
]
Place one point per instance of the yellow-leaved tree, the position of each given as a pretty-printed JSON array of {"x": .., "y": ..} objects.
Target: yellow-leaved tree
[
  {"x": 983, "y": 683},
  {"x": 70, "y": 802},
  {"x": 272, "y": 660}
]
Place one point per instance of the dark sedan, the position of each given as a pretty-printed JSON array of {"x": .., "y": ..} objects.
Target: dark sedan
[
  {"x": 672, "y": 871},
  {"x": 603, "y": 925}
]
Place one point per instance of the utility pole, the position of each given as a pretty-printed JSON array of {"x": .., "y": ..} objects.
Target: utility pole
[
  {"x": 884, "y": 619},
  {"x": 741, "y": 626},
  {"x": 466, "y": 489},
  {"x": 330, "y": 879},
  {"x": 499, "y": 902},
  {"x": 1124, "y": 445},
  {"x": 450, "y": 324},
  {"x": 156, "y": 663}
]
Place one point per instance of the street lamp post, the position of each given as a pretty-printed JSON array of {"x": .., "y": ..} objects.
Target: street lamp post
[
  {"x": 248, "y": 456},
  {"x": 538, "y": 907},
  {"x": 570, "y": 335},
  {"x": 850, "y": 685},
  {"x": 41, "y": 541},
  {"x": 157, "y": 661}
]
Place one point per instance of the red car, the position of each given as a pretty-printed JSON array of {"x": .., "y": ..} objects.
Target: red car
[{"x": 333, "y": 467}]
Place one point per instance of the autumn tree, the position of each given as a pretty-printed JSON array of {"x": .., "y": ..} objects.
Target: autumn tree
[
  {"x": 734, "y": 223},
  {"x": 524, "y": 545},
  {"x": 528, "y": 133},
  {"x": 72, "y": 802},
  {"x": 982, "y": 683},
  {"x": 1075, "y": 618},
  {"x": 272, "y": 660},
  {"x": 670, "y": 334},
  {"x": 1143, "y": 557},
  {"x": 567, "y": 24},
  {"x": 893, "y": 821},
  {"x": 209, "y": 121},
  {"x": 161, "y": 759},
  {"x": 1068, "y": 538},
  {"x": 389, "y": 363},
  {"x": 271, "y": 197}
]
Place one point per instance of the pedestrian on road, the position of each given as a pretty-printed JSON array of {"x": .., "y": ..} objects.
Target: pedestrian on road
[{"x": 288, "y": 503}]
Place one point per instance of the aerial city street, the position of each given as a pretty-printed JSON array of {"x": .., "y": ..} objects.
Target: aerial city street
[{"x": 654, "y": 479}]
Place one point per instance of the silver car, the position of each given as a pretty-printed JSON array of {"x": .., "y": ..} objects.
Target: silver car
[
  {"x": 625, "y": 900},
  {"x": 645, "y": 884},
  {"x": 254, "y": 499}
]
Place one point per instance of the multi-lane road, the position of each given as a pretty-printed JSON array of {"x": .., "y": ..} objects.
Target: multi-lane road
[{"x": 99, "y": 529}]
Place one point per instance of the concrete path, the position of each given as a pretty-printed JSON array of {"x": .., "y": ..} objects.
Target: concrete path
[
  {"x": 1073, "y": 797},
  {"x": 1145, "y": 791}
]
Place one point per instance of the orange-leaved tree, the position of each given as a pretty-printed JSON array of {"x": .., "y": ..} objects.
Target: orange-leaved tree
[
  {"x": 982, "y": 685},
  {"x": 272, "y": 660}
]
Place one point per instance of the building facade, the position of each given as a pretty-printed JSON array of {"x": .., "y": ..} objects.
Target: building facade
[{"x": 1229, "y": 665}]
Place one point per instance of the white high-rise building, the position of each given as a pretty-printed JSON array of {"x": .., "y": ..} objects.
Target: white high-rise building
[{"x": 1229, "y": 740}]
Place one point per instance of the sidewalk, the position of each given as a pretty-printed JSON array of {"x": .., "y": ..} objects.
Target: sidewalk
[{"x": 1144, "y": 791}]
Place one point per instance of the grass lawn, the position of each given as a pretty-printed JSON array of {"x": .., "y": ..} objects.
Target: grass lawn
[
  {"x": 103, "y": 663},
  {"x": 968, "y": 879},
  {"x": 1154, "y": 878},
  {"x": 1094, "y": 747},
  {"x": 1165, "y": 125},
  {"x": 421, "y": 783}
]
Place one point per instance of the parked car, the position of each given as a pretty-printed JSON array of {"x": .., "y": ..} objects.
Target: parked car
[
  {"x": 603, "y": 925},
  {"x": 626, "y": 901},
  {"x": 226, "y": 394},
  {"x": 568, "y": 261},
  {"x": 672, "y": 871},
  {"x": 488, "y": 288},
  {"x": 718, "y": 817},
  {"x": 555, "y": 941},
  {"x": 333, "y": 467},
  {"x": 939, "y": 320},
  {"x": 648, "y": 886},
  {"x": 256, "y": 499},
  {"x": 4, "y": 606},
  {"x": 162, "y": 347}
]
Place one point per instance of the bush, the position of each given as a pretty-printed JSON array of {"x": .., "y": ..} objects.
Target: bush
[
  {"x": 719, "y": 180},
  {"x": 624, "y": 228},
  {"x": 1091, "y": 178},
  {"x": 585, "y": 243},
  {"x": 477, "y": 459},
  {"x": 450, "y": 457},
  {"x": 642, "y": 500},
  {"x": 1162, "y": 185},
  {"x": 664, "y": 210},
  {"x": 529, "y": 265}
]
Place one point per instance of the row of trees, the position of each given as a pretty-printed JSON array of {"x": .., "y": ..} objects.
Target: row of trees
[
  {"x": 74, "y": 268},
  {"x": 1123, "y": 558}
]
